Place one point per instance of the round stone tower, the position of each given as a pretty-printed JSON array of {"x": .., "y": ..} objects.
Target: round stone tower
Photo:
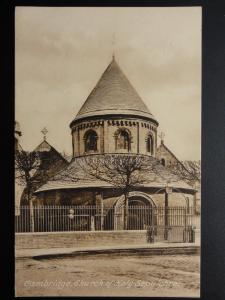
[{"x": 114, "y": 119}]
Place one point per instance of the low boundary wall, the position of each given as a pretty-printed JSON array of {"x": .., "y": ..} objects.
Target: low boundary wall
[{"x": 79, "y": 239}]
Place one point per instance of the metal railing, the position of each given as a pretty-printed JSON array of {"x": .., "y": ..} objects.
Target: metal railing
[{"x": 95, "y": 218}]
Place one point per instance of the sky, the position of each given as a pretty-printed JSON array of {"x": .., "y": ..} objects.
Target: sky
[{"x": 62, "y": 52}]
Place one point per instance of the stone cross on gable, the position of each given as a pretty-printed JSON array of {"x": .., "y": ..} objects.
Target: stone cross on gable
[
  {"x": 44, "y": 131},
  {"x": 161, "y": 136}
]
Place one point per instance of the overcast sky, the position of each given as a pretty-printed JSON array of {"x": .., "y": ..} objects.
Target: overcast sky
[{"x": 62, "y": 52}]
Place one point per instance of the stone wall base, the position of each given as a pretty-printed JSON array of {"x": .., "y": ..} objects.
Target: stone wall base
[{"x": 79, "y": 239}]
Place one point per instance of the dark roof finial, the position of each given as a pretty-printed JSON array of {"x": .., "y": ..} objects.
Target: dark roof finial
[
  {"x": 161, "y": 136},
  {"x": 44, "y": 131},
  {"x": 113, "y": 46}
]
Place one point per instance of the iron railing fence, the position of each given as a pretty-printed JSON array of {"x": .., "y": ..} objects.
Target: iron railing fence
[{"x": 89, "y": 218}]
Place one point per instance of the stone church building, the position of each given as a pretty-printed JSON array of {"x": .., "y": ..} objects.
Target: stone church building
[
  {"x": 114, "y": 120},
  {"x": 51, "y": 162}
]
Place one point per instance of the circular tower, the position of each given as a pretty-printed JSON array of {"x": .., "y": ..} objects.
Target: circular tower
[{"x": 114, "y": 119}]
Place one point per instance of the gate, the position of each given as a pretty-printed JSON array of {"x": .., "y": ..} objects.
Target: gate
[{"x": 173, "y": 224}]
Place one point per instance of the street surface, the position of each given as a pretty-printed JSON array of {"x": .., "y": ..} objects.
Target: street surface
[{"x": 110, "y": 275}]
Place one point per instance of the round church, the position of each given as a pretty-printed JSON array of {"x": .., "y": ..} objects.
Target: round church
[{"x": 114, "y": 120}]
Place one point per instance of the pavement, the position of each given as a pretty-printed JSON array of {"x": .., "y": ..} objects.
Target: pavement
[{"x": 156, "y": 248}]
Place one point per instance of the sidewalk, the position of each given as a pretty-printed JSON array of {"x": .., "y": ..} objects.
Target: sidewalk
[{"x": 156, "y": 248}]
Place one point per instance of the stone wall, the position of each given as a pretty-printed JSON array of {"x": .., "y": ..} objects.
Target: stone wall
[
  {"x": 78, "y": 239},
  {"x": 175, "y": 199},
  {"x": 90, "y": 197},
  {"x": 106, "y": 129},
  {"x": 66, "y": 197}
]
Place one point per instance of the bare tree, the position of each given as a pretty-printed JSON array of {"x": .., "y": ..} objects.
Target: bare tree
[
  {"x": 122, "y": 171},
  {"x": 33, "y": 169},
  {"x": 189, "y": 171},
  {"x": 125, "y": 172},
  {"x": 26, "y": 165}
]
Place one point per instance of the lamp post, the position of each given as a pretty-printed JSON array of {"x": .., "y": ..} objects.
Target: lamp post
[
  {"x": 168, "y": 190},
  {"x": 195, "y": 198}
]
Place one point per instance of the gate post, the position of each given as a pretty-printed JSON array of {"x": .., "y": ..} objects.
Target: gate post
[
  {"x": 102, "y": 216},
  {"x": 152, "y": 223},
  {"x": 195, "y": 203},
  {"x": 185, "y": 225},
  {"x": 31, "y": 215},
  {"x": 92, "y": 223},
  {"x": 166, "y": 215}
]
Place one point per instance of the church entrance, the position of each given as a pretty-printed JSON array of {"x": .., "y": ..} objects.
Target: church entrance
[{"x": 140, "y": 212}]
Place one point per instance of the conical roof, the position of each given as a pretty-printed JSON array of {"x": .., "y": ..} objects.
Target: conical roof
[{"x": 114, "y": 94}]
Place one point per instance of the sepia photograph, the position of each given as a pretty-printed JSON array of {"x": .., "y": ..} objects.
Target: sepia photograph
[{"x": 108, "y": 151}]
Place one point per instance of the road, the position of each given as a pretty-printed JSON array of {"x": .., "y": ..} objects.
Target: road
[{"x": 110, "y": 275}]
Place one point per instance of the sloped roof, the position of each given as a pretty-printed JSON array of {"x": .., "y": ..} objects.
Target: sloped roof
[
  {"x": 114, "y": 94},
  {"x": 73, "y": 177},
  {"x": 162, "y": 145},
  {"x": 44, "y": 146}
]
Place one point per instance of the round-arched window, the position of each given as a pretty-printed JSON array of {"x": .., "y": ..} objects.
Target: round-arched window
[
  {"x": 149, "y": 144},
  {"x": 90, "y": 141},
  {"x": 122, "y": 140},
  {"x": 163, "y": 162}
]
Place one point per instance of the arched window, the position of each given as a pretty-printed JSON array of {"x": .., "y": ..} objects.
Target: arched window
[
  {"x": 90, "y": 141},
  {"x": 149, "y": 144},
  {"x": 122, "y": 140},
  {"x": 163, "y": 162}
]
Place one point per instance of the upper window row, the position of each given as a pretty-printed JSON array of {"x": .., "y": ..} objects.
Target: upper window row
[{"x": 122, "y": 141}]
